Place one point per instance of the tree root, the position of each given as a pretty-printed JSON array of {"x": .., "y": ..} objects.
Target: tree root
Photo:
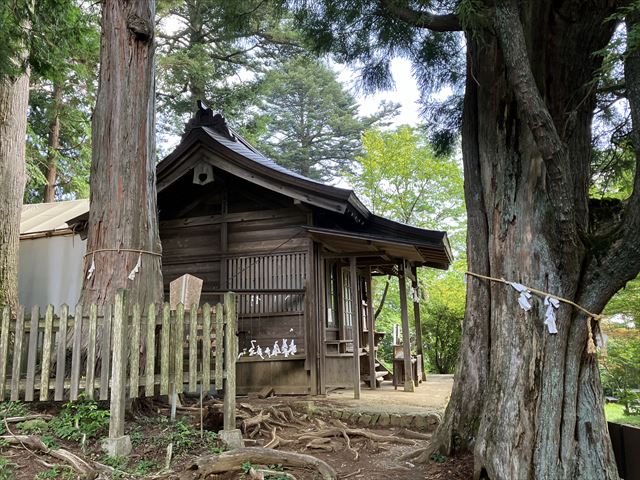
[
  {"x": 233, "y": 460},
  {"x": 80, "y": 465},
  {"x": 337, "y": 432}
]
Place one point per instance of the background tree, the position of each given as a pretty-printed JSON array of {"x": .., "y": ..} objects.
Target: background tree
[
  {"x": 215, "y": 50},
  {"x": 123, "y": 184},
  {"x": 60, "y": 106},
  {"x": 307, "y": 121},
  {"x": 400, "y": 177},
  {"x": 527, "y": 403}
]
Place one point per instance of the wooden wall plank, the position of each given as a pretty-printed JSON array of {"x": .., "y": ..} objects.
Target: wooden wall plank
[
  {"x": 150, "y": 350},
  {"x": 91, "y": 351},
  {"x": 206, "y": 347},
  {"x": 61, "y": 354},
  {"x": 32, "y": 355},
  {"x": 46, "y": 354},
  {"x": 105, "y": 353},
  {"x": 134, "y": 352},
  {"x": 193, "y": 348},
  {"x": 17, "y": 355},
  {"x": 165, "y": 337}
]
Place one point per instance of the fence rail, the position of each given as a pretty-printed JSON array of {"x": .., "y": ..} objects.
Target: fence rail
[{"x": 61, "y": 354}]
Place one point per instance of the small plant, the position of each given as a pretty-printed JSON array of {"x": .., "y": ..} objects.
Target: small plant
[
  {"x": 181, "y": 434},
  {"x": 3, "y": 443},
  {"x": 118, "y": 463},
  {"x": 438, "y": 457},
  {"x": 79, "y": 418},
  {"x": 144, "y": 467},
  {"x": 33, "y": 427},
  {"x": 5, "y": 470},
  {"x": 58, "y": 472},
  {"x": 136, "y": 436},
  {"x": 49, "y": 441},
  {"x": 11, "y": 409}
]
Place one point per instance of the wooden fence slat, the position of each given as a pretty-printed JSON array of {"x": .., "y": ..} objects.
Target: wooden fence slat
[
  {"x": 134, "y": 352},
  {"x": 206, "y": 347},
  {"x": 46, "y": 354},
  {"x": 150, "y": 350},
  {"x": 230, "y": 356},
  {"x": 76, "y": 354},
  {"x": 105, "y": 353},
  {"x": 61, "y": 354},
  {"x": 17, "y": 355},
  {"x": 119, "y": 366},
  {"x": 91, "y": 351},
  {"x": 178, "y": 349},
  {"x": 4, "y": 349},
  {"x": 219, "y": 358},
  {"x": 164, "y": 350},
  {"x": 31, "y": 356},
  {"x": 193, "y": 348}
]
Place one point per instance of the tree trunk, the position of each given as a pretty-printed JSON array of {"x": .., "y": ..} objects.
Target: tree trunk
[
  {"x": 123, "y": 184},
  {"x": 14, "y": 99},
  {"x": 529, "y": 403},
  {"x": 53, "y": 145}
]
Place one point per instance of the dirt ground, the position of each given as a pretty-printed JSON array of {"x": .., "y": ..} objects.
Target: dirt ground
[{"x": 358, "y": 458}]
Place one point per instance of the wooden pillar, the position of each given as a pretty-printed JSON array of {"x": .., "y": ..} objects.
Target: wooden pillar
[
  {"x": 409, "y": 386},
  {"x": 416, "y": 318},
  {"x": 355, "y": 307},
  {"x": 372, "y": 331},
  {"x": 224, "y": 228}
]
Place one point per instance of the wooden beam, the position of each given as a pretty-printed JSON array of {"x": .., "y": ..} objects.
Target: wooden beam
[
  {"x": 224, "y": 239},
  {"x": 355, "y": 307},
  {"x": 416, "y": 319},
  {"x": 372, "y": 332},
  {"x": 409, "y": 386}
]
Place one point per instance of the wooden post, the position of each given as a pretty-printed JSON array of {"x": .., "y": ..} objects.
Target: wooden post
[
  {"x": 416, "y": 318},
  {"x": 372, "y": 331},
  {"x": 230, "y": 436},
  {"x": 118, "y": 444},
  {"x": 409, "y": 386},
  {"x": 230, "y": 355},
  {"x": 355, "y": 308}
]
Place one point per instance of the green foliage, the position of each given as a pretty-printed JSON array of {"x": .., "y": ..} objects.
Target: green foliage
[
  {"x": 144, "y": 467},
  {"x": 184, "y": 437},
  {"x": 366, "y": 35},
  {"x": 58, "y": 472},
  {"x": 11, "y": 409},
  {"x": 36, "y": 426},
  {"x": 615, "y": 413},
  {"x": 80, "y": 418},
  {"x": 307, "y": 121},
  {"x": 438, "y": 457},
  {"x": 442, "y": 317},
  {"x": 620, "y": 369},
  {"x": 5, "y": 469},
  {"x": 206, "y": 46},
  {"x": 400, "y": 177},
  {"x": 626, "y": 302}
]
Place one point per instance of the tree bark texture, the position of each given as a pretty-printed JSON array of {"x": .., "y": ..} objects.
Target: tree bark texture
[
  {"x": 14, "y": 98},
  {"x": 123, "y": 188},
  {"x": 526, "y": 402},
  {"x": 53, "y": 144}
]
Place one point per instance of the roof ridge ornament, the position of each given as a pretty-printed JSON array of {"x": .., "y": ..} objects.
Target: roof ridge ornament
[{"x": 205, "y": 117}]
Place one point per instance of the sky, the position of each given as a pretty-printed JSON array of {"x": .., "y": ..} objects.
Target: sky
[{"x": 405, "y": 93}]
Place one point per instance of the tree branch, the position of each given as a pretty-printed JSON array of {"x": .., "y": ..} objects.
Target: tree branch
[
  {"x": 437, "y": 23},
  {"x": 536, "y": 114}
]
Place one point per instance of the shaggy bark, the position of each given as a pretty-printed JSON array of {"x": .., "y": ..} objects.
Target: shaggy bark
[
  {"x": 123, "y": 193},
  {"x": 14, "y": 98},
  {"x": 527, "y": 403}
]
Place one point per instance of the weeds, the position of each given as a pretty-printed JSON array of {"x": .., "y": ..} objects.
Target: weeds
[{"x": 80, "y": 418}]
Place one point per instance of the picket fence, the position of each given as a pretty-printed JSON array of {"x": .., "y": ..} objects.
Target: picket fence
[{"x": 59, "y": 356}]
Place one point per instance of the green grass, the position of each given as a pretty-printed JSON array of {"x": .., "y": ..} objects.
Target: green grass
[{"x": 615, "y": 413}]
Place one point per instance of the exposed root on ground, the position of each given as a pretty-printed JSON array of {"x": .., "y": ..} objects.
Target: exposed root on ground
[{"x": 234, "y": 459}]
